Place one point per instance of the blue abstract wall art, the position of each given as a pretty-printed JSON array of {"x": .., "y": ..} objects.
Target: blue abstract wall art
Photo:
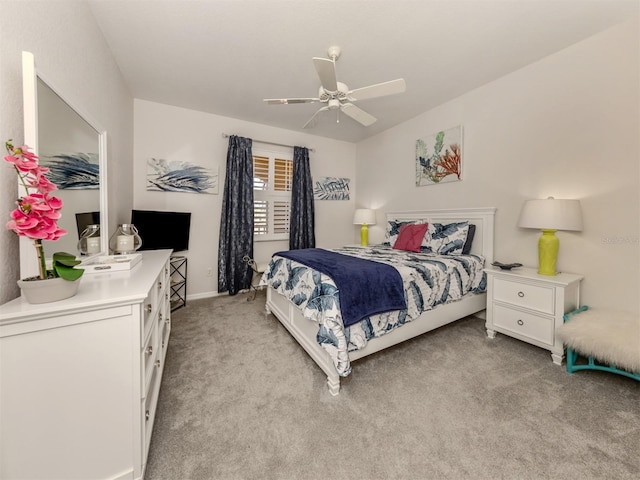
[
  {"x": 331, "y": 188},
  {"x": 73, "y": 171},
  {"x": 177, "y": 176}
]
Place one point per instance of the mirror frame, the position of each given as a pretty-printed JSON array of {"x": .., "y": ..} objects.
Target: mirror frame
[{"x": 28, "y": 258}]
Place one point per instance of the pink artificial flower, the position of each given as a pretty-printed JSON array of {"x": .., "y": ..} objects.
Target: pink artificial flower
[
  {"x": 54, "y": 202},
  {"x": 26, "y": 152},
  {"x": 21, "y": 163},
  {"x": 38, "y": 211},
  {"x": 26, "y": 225},
  {"x": 40, "y": 182}
]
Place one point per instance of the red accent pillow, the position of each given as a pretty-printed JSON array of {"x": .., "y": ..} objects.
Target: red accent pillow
[{"x": 410, "y": 237}]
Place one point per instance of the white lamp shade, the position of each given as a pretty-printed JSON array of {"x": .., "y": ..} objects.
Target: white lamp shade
[
  {"x": 364, "y": 216},
  {"x": 551, "y": 214}
]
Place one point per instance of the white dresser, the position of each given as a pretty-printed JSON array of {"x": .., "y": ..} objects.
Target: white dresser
[
  {"x": 80, "y": 378},
  {"x": 528, "y": 306}
]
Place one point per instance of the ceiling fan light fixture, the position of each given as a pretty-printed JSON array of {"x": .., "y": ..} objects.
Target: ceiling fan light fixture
[{"x": 337, "y": 95}]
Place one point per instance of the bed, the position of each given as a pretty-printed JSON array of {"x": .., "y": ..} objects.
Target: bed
[{"x": 321, "y": 332}]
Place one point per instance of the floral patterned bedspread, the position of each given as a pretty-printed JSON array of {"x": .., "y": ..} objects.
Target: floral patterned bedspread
[{"x": 429, "y": 280}]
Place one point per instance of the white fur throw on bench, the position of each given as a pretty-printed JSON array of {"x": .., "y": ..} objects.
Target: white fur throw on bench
[{"x": 608, "y": 335}]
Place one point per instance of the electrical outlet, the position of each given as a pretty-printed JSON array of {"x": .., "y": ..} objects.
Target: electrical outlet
[{"x": 209, "y": 272}]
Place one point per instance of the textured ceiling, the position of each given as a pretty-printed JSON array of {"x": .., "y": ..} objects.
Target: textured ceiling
[{"x": 225, "y": 56}]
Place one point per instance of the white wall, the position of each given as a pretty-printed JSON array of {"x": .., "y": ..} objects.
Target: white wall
[
  {"x": 172, "y": 133},
  {"x": 567, "y": 126},
  {"x": 72, "y": 53}
]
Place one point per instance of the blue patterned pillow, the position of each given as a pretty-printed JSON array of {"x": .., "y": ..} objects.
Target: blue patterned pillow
[{"x": 446, "y": 239}]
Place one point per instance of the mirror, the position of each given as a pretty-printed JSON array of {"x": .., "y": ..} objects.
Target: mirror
[{"x": 74, "y": 149}]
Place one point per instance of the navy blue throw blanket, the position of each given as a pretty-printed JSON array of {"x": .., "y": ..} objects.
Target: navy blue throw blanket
[{"x": 365, "y": 287}]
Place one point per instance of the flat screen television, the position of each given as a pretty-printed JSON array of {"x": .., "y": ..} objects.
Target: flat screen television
[{"x": 160, "y": 230}]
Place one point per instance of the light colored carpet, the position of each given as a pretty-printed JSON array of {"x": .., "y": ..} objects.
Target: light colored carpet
[{"x": 241, "y": 400}]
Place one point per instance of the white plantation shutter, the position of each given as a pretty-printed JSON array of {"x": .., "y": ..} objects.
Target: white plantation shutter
[
  {"x": 260, "y": 217},
  {"x": 260, "y": 173},
  {"x": 281, "y": 211},
  {"x": 272, "y": 180},
  {"x": 283, "y": 175}
]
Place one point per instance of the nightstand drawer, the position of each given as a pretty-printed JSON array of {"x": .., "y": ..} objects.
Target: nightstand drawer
[
  {"x": 525, "y": 295},
  {"x": 525, "y": 324}
]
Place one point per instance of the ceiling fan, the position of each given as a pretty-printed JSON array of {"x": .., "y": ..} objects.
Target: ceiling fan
[{"x": 337, "y": 95}]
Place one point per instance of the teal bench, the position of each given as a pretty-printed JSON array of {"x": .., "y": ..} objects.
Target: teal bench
[{"x": 601, "y": 339}]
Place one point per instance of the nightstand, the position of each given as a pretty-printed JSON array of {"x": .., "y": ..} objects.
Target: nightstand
[{"x": 528, "y": 306}]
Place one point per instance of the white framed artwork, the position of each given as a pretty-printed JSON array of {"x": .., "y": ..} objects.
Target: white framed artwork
[
  {"x": 177, "y": 176},
  {"x": 439, "y": 157}
]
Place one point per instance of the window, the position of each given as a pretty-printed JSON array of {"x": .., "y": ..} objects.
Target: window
[{"x": 272, "y": 179}]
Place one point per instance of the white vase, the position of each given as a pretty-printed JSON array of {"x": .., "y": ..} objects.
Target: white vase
[{"x": 49, "y": 290}]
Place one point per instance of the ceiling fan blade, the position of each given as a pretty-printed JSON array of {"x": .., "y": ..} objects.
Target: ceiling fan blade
[
  {"x": 312, "y": 121},
  {"x": 358, "y": 114},
  {"x": 378, "y": 90},
  {"x": 327, "y": 72},
  {"x": 287, "y": 101}
]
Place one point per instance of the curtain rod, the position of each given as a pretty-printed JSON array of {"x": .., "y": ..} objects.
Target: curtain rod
[{"x": 226, "y": 135}]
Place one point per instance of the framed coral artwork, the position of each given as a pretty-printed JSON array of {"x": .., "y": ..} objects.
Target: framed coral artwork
[{"x": 439, "y": 157}]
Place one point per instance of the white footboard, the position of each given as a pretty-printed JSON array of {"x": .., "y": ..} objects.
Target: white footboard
[{"x": 305, "y": 331}]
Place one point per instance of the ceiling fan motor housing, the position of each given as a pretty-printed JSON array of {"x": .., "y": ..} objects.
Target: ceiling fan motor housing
[
  {"x": 340, "y": 94},
  {"x": 334, "y": 53}
]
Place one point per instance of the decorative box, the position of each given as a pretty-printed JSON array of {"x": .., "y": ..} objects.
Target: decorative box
[{"x": 110, "y": 263}]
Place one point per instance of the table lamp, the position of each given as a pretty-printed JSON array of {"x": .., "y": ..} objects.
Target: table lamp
[
  {"x": 364, "y": 217},
  {"x": 550, "y": 215},
  {"x": 125, "y": 239}
]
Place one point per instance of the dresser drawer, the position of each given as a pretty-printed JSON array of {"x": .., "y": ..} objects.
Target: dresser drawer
[
  {"x": 164, "y": 329},
  {"x": 535, "y": 327},
  {"x": 524, "y": 295},
  {"x": 149, "y": 307},
  {"x": 150, "y": 404},
  {"x": 149, "y": 354}
]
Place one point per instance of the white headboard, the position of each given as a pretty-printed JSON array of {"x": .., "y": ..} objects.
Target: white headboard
[{"x": 482, "y": 218}]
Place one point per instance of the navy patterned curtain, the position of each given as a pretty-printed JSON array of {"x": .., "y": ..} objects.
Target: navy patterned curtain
[
  {"x": 302, "y": 226},
  {"x": 236, "y": 223}
]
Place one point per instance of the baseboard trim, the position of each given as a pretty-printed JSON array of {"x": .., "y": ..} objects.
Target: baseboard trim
[{"x": 198, "y": 296}]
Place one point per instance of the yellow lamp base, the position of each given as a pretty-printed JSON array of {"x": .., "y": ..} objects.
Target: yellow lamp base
[
  {"x": 364, "y": 235},
  {"x": 548, "y": 246}
]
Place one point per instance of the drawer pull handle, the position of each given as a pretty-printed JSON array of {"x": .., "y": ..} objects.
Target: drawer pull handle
[
  {"x": 158, "y": 363},
  {"x": 159, "y": 285},
  {"x": 520, "y": 322},
  {"x": 149, "y": 308},
  {"x": 167, "y": 321},
  {"x": 149, "y": 350},
  {"x": 160, "y": 317},
  {"x": 521, "y": 294},
  {"x": 146, "y": 415}
]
